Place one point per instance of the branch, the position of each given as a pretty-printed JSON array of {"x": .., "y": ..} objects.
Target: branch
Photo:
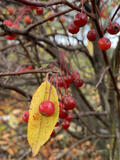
[
  {"x": 26, "y": 72},
  {"x": 18, "y": 90},
  {"x": 101, "y": 77}
]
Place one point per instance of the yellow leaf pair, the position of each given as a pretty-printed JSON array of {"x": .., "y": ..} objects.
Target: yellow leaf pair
[{"x": 40, "y": 127}]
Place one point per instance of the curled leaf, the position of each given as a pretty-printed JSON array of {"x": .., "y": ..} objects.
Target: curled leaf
[{"x": 40, "y": 127}]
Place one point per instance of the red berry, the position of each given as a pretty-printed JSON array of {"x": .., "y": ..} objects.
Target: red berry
[
  {"x": 104, "y": 43},
  {"x": 60, "y": 82},
  {"x": 25, "y": 116},
  {"x": 75, "y": 75},
  {"x": 80, "y": 19},
  {"x": 30, "y": 67},
  {"x": 78, "y": 82},
  {"x": 91, "y": 35},
  {"x": 52, "y": 18},
  {"x": 113, "y": 28},
  {"x": 53, "y": 133},
  {"x": 62, "y": 19},
  {"x": 11, "y": 37},
  {"x": 69, "y": 117},
  {"x": 73, "y": 29},
  {"x": 47, "y": 108},
  {"x": 63, "y": 114},
  {"x": 8, "y": 23},
  {"x": 22, "y": 69},
  {"x": 68, "y": 79},
  {"x": 57, "y": 124},
  {"x": 69, "y": 102},
  {"x": 65, "y": 124},
  {"x": 66, "y": 85},
  {"x": 40, "y": 10},
  {"x": 27, "y": 20},
  {"x": 10, "y": 10}
]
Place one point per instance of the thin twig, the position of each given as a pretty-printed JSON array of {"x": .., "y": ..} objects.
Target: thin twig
[{"x": 101, "y": 77}]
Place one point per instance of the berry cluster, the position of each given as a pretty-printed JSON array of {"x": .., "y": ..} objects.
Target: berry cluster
[
  {"x": 29, "y": 67},
  {"x": 65, "y": 81},
  {"x": 10, "y": 24},
  {"x": 80, "y": 20}
]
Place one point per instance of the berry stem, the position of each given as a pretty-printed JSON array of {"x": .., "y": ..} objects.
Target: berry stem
[
  {"x": 82, "y": 1},
  {"x": 51, "y": 80},
  {"x": 21, "y": 13}
]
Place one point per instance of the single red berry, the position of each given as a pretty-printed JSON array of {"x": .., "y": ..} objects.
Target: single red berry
[
  {"x": 60, "y": 82},
  {"x": 25, "y": 116},
  {"x": 69, "y": 117},
  {"x": 39, "y": 10},
  {"x": 69, "y": 102},
  {"x": 104, "y": 43},
  {"x": 73, "y": 29},
  {"x": 10, "y": 10},
  {"x": 47, "y": 108},
  {"x": 62, "y": 19},
  {"x": 63, "y": 114},
  {"x": 50, "y": 15},
  {"x": 57, "y": 124},
  {"x": 27, "y": 20},
  {"x": 78, "y": 82},
  {"x": 53, "y": 133},
  {"x": 113, "y": 28},
  {"x": 22, "y": 69},
  {"x": 68, "y": 79},
  {"x": 66, "y": 85},
  {"x": 75, "y": 75},
  {"x": 91, "y": 35},
  {"x": 80, "y": 19},
  {"x": 30, "y": 67},
  {"x": 11, "y": 37},
  {"x": 65, "y": 124},
  {"x": 113, "y": 4}
]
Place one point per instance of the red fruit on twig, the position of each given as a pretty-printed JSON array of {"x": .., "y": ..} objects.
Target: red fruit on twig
[
  {"x": 25, "y": 116},
  {"x": 104, "y": 43},
  {"x": 69, "y": 117},
  {"x": 65, "y": 124},
  {"x": 39, "y": 10},
  {"x": 69, "y": 102},
  {"x": 73, "y": 29},
  {"x": 91, "y": 35},
  {"x": 63, "y": 114},
  {"x": 27, "y": 20},
  {"x": 47, "y": 108},
  {"x": 78, "y": 82},
  {"x": 80, "y": 19},
  {"x": 113, "y": 28}
]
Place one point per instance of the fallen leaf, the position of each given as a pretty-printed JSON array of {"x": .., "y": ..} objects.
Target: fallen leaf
[{"x": 40, "y": 127}]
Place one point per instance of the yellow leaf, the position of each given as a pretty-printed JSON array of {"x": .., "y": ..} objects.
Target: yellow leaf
[
  {"x": 40, "y": 127},
  {"x": 90, "y": 48}
]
